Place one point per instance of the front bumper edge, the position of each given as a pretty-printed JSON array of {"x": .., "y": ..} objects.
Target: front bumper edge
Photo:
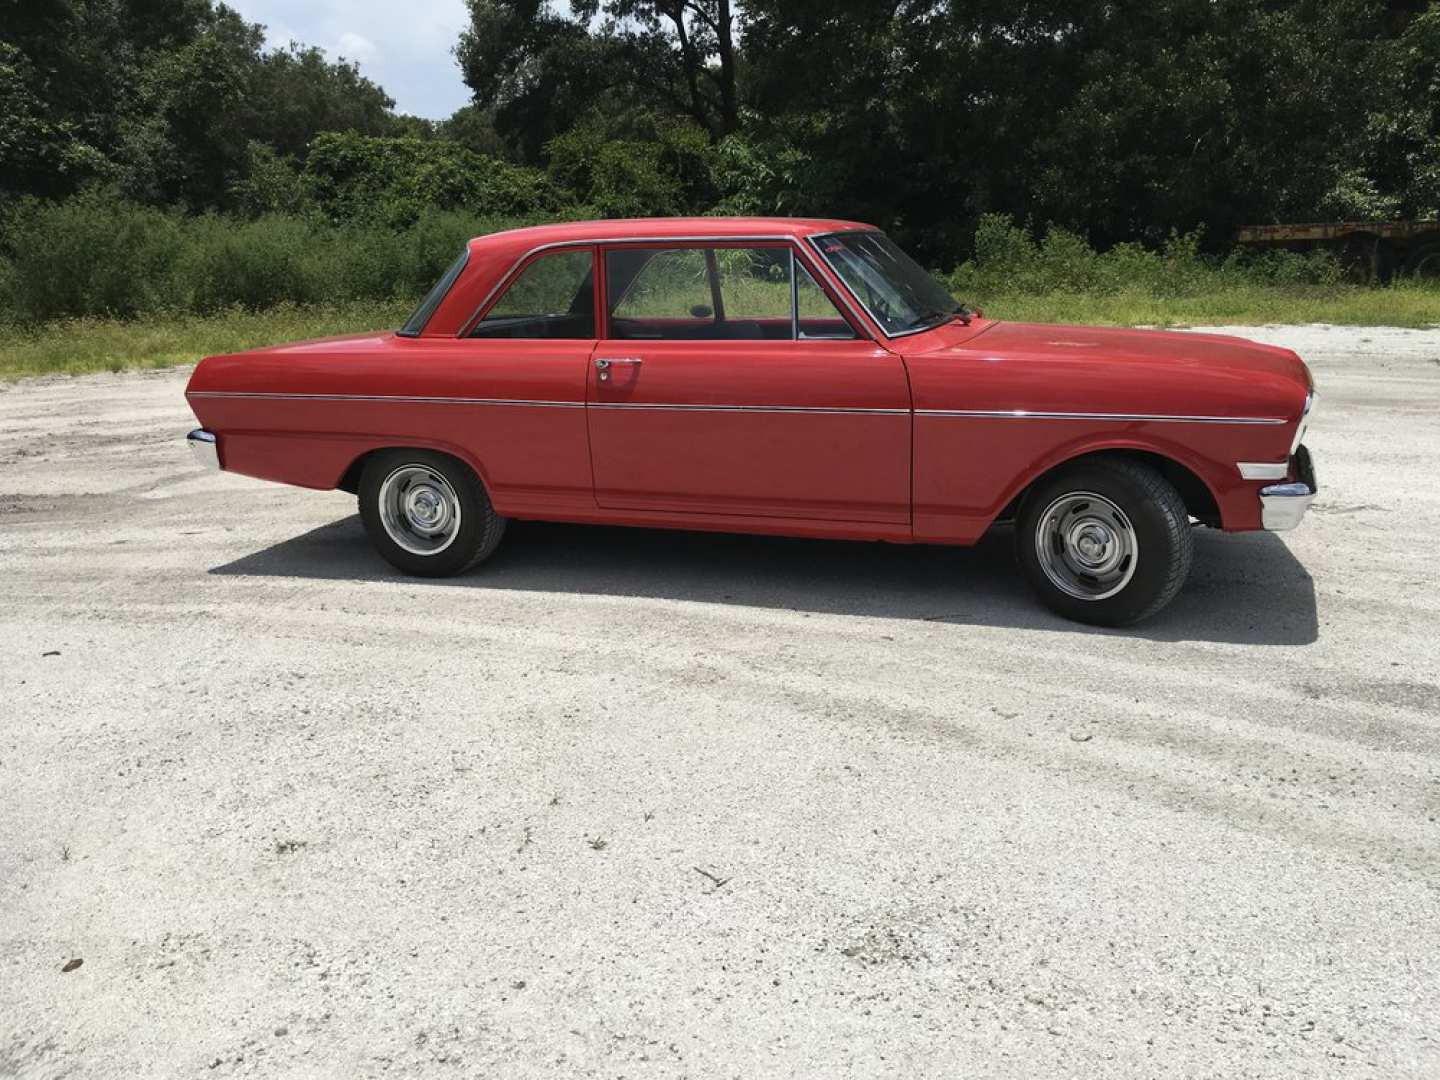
[
  {"x": 1282, "y": 506},
  {"x": 205, "y": 448}
]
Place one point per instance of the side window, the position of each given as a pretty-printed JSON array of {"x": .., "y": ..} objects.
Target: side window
[
  {"x": 817, "y": 316},
  {"x": 719, "y": 293},
  {"x": 554, "y": 297},
  {"x": 659, "y": 287},
  {"x": 755, "y": 285}
]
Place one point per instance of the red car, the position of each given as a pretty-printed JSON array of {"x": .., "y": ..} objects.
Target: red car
[{"x": 770, "y": 375}]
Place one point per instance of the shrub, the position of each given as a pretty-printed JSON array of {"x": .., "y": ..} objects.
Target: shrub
[
  {"x": 1009, "y": 261},
  {"x": 669, "y": 172},
  {"x": 92, "y": 254},
  {"x": 96, "y": 256},
  {"x": 271, "y": 185},
  {"x": 255, "y": 264},
  {"x": 393, "y": 181}
]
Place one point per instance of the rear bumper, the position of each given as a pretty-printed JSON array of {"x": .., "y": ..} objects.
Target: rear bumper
[
  {"x": 1282, "y": 506},
  {"x": 205, "y": 448}
]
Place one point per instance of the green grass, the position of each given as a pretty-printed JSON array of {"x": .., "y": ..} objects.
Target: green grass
[
  {"x": 77, "y": 346},
  {"x": 1405, "y": 304}
]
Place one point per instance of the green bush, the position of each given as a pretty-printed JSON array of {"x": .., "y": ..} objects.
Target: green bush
[
  {"x": 393, "y": 181},
  {"x": 669, "y": 171},
  {"x": 1010, "y": 261},
  {"x": 271, "y": 185},
  {"x": 95, "y": 255},
  {"x": 91, "y": 254},
  {"x": 254, "y": 264},
  {"x": 9, "y": 281}
]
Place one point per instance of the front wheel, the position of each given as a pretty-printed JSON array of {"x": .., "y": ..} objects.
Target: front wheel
[
  {"x": 427, "y": 513},
  {"x": 1105, "y": 542}
]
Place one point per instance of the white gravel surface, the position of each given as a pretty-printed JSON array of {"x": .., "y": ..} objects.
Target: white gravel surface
[{"x": 646, "y": 804}]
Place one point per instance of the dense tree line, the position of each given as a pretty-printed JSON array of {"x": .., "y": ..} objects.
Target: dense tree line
[
  {"x": 1123, "y": 119},
  {"x": 1116, "y": 119}
]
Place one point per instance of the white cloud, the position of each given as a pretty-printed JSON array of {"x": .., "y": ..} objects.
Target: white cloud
[
  {"x": 357, "y": 47},
  {"x": 405, "y": 46}
]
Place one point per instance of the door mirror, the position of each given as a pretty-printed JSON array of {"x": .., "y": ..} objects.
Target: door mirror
[{"x": 702, "y": 311}]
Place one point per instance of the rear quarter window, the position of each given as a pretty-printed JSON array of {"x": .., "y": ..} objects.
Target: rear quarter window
[{"x": 416, "y": 323}]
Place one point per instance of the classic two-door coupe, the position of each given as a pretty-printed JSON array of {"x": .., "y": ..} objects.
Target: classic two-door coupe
[{"x": 770, "y": 375}]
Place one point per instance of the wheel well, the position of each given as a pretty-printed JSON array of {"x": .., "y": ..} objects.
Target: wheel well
[
  {"x": 1199, "y": 502},
  {"x": 350, "y": 480}
]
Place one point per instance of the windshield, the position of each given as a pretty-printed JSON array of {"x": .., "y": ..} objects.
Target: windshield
[{"x": 895, "y": 290}]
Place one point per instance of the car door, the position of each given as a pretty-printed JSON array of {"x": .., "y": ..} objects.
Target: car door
[
  {"x": 522, "y": 367},
  {"x": 727, "y": 381}
]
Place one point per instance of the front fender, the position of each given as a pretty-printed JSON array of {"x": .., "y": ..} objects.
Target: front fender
[{"x": 968, "y": 470}]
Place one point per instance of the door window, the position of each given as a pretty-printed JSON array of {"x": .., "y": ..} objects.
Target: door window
[
  {"x": 553, "y": 297},
  {"x": 717, "y": 293}
]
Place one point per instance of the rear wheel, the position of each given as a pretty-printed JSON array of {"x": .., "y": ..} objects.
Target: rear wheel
[
  {"x": 1105, "y": 542},
  {"x": 427, "y": 513}
]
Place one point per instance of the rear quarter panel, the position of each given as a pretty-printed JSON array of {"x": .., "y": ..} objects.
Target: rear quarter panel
[{"x": 301, "y": 414}]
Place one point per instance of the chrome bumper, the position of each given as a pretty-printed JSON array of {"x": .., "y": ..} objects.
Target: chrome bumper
[
  {"x": 1283, "y": 505},
  {"x": 203, "y": 446}
]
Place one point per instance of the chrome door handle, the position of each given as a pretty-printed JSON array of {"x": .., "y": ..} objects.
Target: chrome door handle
[{"x": 604, "y": 366}]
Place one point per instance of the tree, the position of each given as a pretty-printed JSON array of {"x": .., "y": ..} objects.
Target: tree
[
  {"x": 695, "y": 31},
  {"x": 162, "y": 99},
  {"x": 539, "y": 72},
  {"x": 296, "y": 94},
  {"x": 1121, "y": 119}
]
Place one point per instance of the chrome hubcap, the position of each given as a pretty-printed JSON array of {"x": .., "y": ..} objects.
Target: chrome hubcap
[
  {"x": 1086, "y": 546},
  {"x": 419, "y": 509}
]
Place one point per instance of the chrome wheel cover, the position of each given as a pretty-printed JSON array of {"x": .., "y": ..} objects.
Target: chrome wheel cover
[
  {"x": 1086, "y": 546},
  {"x": 419, "y": 509}
]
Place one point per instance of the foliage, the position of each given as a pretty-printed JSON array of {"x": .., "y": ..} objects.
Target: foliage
[
  {"x": 162, "y": 100},
  {"x": 392, "y": 181},
  {"x": 473, "y": 128},
  {"x": 668, "y": 172},
  {"x": 92, "y": 254},
  {"x": 158, "y": 157},
  {"x": 298, "y": 94},
  {"x": 1010, "y": 261},
  {"x": 539, "y": 70},
  {"x": 95, "y": 255},
  {"x": 271, "y": 184}
]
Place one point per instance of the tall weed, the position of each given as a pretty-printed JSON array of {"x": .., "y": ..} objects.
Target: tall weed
[
  {"x": 98, "y": 256},
  {"x": 1010, "y": 261}
]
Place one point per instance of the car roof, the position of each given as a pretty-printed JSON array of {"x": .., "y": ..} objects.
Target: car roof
[{"x": 663, "y": 228}]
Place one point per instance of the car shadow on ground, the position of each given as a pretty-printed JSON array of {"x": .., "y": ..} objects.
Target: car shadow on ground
[{"x": 1244, "y": 589}]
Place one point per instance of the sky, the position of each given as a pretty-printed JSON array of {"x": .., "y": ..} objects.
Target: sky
[{"x": 404, "y": 45}]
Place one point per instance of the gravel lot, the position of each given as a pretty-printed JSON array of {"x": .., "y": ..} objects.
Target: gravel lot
[{"x": 656, "y": 804}]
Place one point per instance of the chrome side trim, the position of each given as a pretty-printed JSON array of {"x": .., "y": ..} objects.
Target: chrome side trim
[
  {"x": 835, "y": 410},
  {"x": 1157, "y": 418},
  {"x": 550, "y": 404},
  {"x": 396, "y": 398},
  {"x": 1263, "y": 470},
  {"x": 1010, "y": 414},
  {"x": 203, "y": 445}
]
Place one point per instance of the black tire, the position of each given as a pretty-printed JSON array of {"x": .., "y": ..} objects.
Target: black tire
[
  {"x": 1152, "y": 521},
  {"x": 469, "y": 538}
]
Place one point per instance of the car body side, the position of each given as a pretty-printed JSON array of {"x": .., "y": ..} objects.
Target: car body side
[{"x": 927, "y": 437}]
